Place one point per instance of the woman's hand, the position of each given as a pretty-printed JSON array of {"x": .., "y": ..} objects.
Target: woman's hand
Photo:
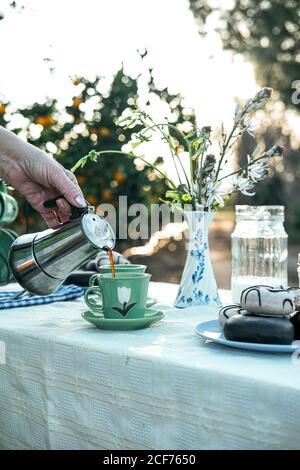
[{"x": 38, "y": 177}]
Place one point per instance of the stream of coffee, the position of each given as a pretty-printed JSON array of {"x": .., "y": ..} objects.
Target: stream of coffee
[{"x": 112, "y": 264}]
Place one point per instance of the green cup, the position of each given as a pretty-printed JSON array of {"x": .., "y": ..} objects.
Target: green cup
[
  {"x": 119, "y": 268},
  {"x": 8, "y": 208},
  {"x": 120, "y": 297}
]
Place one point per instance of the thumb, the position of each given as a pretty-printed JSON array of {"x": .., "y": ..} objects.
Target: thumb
[{"x": 68, "y": 188}]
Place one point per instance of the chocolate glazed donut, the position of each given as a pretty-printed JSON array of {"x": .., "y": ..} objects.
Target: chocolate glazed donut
[{"x": 257, "y": 329}]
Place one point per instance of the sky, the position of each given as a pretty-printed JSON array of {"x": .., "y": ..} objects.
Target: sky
[{"x": 95, "y": 36}]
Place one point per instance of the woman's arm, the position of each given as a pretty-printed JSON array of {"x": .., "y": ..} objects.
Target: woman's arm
[{"x": 37, "y": 176}]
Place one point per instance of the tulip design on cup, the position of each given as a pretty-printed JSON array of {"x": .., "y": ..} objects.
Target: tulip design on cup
[{"x": 124, "y": 294}]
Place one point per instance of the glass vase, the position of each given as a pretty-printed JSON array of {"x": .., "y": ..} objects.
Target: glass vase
[
  {"x": 198, "y": 285},
  {"x": 259, "y": 248}
]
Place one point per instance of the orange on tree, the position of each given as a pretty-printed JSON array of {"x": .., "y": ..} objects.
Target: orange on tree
[
  {"x": 81, "y": 179},
  {"x": 104, "y": 132},
  {"x": 91, "y": 199},
  {"x": 107, "y": 196},
  {"x": 45, "y": 121},
  {"x": 119, "y": 176},
  {"x": 76, "y": 102}
]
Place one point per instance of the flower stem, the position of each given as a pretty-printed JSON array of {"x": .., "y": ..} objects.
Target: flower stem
[
  {"x": 119, "y": 152},
  {"x": 224, "y": 149},
  {"x": 189, "y": 150},
  {"x": 159, "y": 127},
  {"x": 173, "y": 151},
  {"x": 242, "y": 168},
  {"x": 226, "y": 144},
  {"x": 201, "y": 157}
]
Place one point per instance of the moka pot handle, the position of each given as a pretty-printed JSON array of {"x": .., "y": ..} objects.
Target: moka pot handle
[{"x": 76, "y": 212}]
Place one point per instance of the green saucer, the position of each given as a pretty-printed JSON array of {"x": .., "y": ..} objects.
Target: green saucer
[
  {"x": 151, "y": 316},
  {"x": 150, "y": 302}
]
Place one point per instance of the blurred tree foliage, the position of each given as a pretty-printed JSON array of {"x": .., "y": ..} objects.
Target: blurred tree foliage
[
  {"x": 87, "y": 123},
  {"x": 267, "y": 32},
  {"x": 284, "y": 185}
]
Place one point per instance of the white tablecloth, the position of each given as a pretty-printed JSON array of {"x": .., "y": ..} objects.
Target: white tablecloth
[{"x": 67, "y": 385}]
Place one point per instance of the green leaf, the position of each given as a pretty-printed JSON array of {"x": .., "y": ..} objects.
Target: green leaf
[
  {"x": 135, "y": 144},
  {"x": 173, "y": 194},
  {"x": 119, "y": 310},
  {"x": 129, "y": 307},
  {"x": 169, "y": 203},
  {"x": 124, "y": 119}
]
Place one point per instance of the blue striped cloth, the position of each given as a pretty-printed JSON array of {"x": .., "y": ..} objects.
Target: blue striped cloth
[{"x": 15, "y": 299}]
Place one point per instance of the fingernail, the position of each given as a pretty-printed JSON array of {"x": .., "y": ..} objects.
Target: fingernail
[
  {"x": 60, "y": 203},
  {"x": 80, "y": 201}
]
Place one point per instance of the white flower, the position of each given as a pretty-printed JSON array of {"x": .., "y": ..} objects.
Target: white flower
[
  {"x": 257, "y": 172},
  {"x": 255, "y": 152},
  {"x": 251, "y": 126},
  {"x": 215, "y": 197},
  {"x": 263, "y": 94},
  {"x": 244, "y": 184},
  {"x": 129, "y": 118},
  {"x": 217, "y": 193},
  {"x": 134, "y": 142},
  {"x": 259, "y": 100},
  {"x": 124, "y": 294},
  {"x": 257, "y": 169},
  {"x": 275, "y": 151},
  {"x": 208, "y": 188}
]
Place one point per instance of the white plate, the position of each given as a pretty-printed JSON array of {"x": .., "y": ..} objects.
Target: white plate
[{"x": 213, "y": 331}]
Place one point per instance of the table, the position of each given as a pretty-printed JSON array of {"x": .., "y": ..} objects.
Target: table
[{"x": 67, "y": 385}]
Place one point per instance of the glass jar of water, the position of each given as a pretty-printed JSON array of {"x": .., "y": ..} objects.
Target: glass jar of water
[{"x": 259, "y": 248}]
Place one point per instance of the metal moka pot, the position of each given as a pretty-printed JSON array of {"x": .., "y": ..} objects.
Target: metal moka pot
[{"x": 41, "y": 261}]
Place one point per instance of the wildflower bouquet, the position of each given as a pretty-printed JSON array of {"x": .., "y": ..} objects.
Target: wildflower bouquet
[{"x": 205, "y": 183}]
